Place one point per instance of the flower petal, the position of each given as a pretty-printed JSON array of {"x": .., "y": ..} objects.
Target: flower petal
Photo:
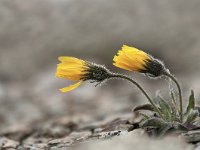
[
  {"x": 71, "y": 68},
  {"x": 70, "y": 60},
  {"x": 71, "y": 87},
  {"x": 132, "y": 59}
]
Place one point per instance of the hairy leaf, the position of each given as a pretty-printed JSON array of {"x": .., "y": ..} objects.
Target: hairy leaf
[
  {"x": 144, "y": 107},
  {"x": 153, "y": 122},
  {"x": 174, "y": 107},
  {"x": 163, "y": 130},
  {"x": 191, "y": 116},
  {"x": 146, "y": 117},
  {"x": 173, "y": 97},
  {"x": 165, "y": 109},
  {"x": 191, "y": 103}
]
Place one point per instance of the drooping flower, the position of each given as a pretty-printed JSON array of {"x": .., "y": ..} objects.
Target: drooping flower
[
  {"x": 78, "y": 70},
  {"x": 133, "y": 59}
]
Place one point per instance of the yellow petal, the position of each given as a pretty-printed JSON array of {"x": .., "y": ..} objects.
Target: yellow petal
[
  {"x": 68, "y": 59},
  {"x": 71, "y": 87},
  {"x": 131, "y": 58},
  {"x": 71, "y": 68}
]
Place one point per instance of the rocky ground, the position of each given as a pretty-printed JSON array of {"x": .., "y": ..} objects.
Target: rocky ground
[{"x": 119, "y": 133}]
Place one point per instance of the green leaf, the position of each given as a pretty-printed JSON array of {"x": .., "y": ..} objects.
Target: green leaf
[
  {"x": 144, "y": 107},
  {"x": 191, "y": 116},
  {"x": 173, "y": 97},
  {"x": 146, "y": 117},
  {"x": 174, "y": 127},
  {"x": 175, "y": 108},
  {"x": 174, "y": 114},
  {"x": 165, "y": 108},
  {"x": 191, "y": 103},
  {"x": 153, "y": 122},
  {"x": 163, "y": 130}
]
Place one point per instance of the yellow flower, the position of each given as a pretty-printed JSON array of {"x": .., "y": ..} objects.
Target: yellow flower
[
  {"x": 133, "y": 59},
  {"x": 78, "y": 70}
]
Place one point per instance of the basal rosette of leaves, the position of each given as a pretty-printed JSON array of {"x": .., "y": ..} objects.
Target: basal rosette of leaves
[{"x": 171, "y": 120}]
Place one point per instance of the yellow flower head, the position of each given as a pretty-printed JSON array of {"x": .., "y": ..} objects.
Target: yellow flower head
[
  {"x": 133, "y": 59},
  {"x": 78, "y": 70}
]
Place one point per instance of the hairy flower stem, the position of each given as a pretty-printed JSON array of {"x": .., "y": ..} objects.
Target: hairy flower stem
[
  {"x": 180, "y": 93},
  {"x": 114, "y": 75}
]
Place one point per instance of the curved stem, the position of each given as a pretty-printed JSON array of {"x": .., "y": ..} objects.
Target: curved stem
[
  {"x": 180, "y": 93},
  {"x": 141, "y": 89}
]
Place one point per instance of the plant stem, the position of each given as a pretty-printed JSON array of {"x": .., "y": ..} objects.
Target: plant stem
[
  {"x": 180, "y": 93},
  {"x": 114, "y": 75}
]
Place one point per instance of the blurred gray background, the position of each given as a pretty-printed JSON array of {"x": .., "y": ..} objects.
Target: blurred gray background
[{"x": 33, "y": 33}]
